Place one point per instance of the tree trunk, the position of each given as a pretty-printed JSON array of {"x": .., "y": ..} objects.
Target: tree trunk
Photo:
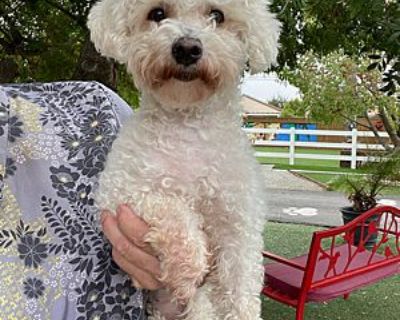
[
  {"x": 8, "y": 70},
  {"x": 92, "y": 66},
  {"x": 389, "y": 128},
  {"x": 376, "y": 133}
]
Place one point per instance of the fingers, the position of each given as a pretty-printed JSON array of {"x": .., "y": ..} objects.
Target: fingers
[
  {"x": 144, "y": 279},
  {"x": 128, "y": 250},
  {"x": 133, "y": 227}
]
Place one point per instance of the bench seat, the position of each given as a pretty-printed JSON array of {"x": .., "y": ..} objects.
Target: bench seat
[{"x": 288, "y": 280}]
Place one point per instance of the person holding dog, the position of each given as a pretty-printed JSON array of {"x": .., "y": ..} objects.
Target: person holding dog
[{"x": 55, "y": 259}]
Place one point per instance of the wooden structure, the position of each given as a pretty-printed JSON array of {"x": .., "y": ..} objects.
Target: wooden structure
[
  {"x": 267, "y": 122},
  {"x": 353, "y": 152}
]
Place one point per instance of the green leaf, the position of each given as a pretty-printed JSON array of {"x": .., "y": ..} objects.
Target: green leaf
[
  {"x": 373, "y": 66},
  {"x": 374, "y": 56}
]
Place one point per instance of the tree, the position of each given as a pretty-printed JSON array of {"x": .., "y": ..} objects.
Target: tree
[
  {"x": 357, "y": 28},
  {"x": 340, "y": 88},
  {"x": 354, "y": 26},
  {"x": 323, "y": 26},
  {"x": 48, "y": 40}
]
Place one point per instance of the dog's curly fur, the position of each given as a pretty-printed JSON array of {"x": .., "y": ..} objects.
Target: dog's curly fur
[{"x": 182, "y": 161}]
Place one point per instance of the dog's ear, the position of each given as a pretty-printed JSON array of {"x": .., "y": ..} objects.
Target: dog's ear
[
  {"x": 107, "y": 22},
  {"x": 262, "y": 37}
]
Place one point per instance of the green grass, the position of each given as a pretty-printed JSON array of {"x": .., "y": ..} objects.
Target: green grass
[
  {"x": 395, "y": 191},
  {"x": 379, "y": 301},
  {"x": 326, "y": 178},
  {"x": 320, "y": 177},
  {"x": 315, "y": 168}
]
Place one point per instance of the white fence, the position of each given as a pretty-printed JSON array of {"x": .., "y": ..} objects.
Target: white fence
[{"x": 352, "y": 136}]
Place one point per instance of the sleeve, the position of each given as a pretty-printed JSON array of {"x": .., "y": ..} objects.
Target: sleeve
[{"x": 122, "y": 108}]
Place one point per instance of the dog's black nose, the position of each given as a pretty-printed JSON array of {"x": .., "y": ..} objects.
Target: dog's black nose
[{"x": 187, "y": 51}]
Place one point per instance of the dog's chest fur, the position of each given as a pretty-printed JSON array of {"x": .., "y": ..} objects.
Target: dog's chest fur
[{"x": 194, "y": 157}]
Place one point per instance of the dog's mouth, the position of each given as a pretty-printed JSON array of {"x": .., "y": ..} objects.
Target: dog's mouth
[{"x": 186, "y": 75}]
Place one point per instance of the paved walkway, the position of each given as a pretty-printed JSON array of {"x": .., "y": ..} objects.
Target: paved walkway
[
  {"x": 291, "y": 198},
  {"x": 285, "y": 180}
]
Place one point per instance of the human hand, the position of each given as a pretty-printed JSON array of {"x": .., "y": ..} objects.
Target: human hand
[{"x": 126, "y": 232}]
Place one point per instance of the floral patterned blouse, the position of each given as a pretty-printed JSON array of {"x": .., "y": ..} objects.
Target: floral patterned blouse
[{"x": 54, "y": 261}]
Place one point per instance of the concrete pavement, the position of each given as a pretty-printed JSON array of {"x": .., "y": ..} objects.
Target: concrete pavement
[{"x": 297, "y": 200}]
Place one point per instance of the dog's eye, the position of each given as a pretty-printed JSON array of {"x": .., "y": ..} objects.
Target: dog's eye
[
  {"x": 157, "y": 15},
  {"x": 217, "y": 15}
]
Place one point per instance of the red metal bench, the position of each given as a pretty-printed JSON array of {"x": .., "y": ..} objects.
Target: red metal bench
[{"x": 335, "y": 266}]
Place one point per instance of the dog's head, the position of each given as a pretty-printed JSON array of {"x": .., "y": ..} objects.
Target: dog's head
[{"x": 183, "y": 51}]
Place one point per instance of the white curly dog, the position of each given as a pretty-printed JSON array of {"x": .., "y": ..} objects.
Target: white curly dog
[{"x": 182, "y": 161}]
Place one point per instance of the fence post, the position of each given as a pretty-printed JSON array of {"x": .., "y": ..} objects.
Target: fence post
[
  {"x": 292, "y": 146},
  {"x": 354, "y": 135}
]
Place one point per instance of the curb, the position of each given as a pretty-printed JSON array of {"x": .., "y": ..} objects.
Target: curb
[
  {"x": 320, "y": 184},
  {"x": 303, "y": 223}
]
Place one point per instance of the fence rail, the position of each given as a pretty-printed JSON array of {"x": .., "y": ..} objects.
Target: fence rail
[{"x": 352, "y": 145}]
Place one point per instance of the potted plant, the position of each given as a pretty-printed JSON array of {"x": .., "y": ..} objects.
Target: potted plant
[{"x": 363, "y": 189}]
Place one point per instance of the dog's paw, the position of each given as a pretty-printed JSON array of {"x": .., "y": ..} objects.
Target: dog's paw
[
  {"x": 178, "y": 239},
  {"x": 184, "y": 262},
  {"x": 163, "y": 303},
  {"x": 183, "y": 273}
]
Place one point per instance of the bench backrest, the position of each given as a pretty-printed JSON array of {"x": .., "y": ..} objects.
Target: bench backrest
[{"x": 338, "y": 244}]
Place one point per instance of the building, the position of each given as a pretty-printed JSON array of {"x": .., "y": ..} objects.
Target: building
[{"x": 255, "y": 108}]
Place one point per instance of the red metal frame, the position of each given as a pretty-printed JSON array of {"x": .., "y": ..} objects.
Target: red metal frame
[{"x": 386, "y": 226}]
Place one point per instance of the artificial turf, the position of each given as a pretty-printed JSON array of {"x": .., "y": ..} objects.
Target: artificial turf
[{"x": 380, "y": 301}]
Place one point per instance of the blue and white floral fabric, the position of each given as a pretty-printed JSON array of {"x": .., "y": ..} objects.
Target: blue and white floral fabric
[{"x": 54, "y": 261}]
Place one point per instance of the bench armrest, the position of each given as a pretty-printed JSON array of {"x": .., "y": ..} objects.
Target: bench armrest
[{"x": 282, "y": 260}]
